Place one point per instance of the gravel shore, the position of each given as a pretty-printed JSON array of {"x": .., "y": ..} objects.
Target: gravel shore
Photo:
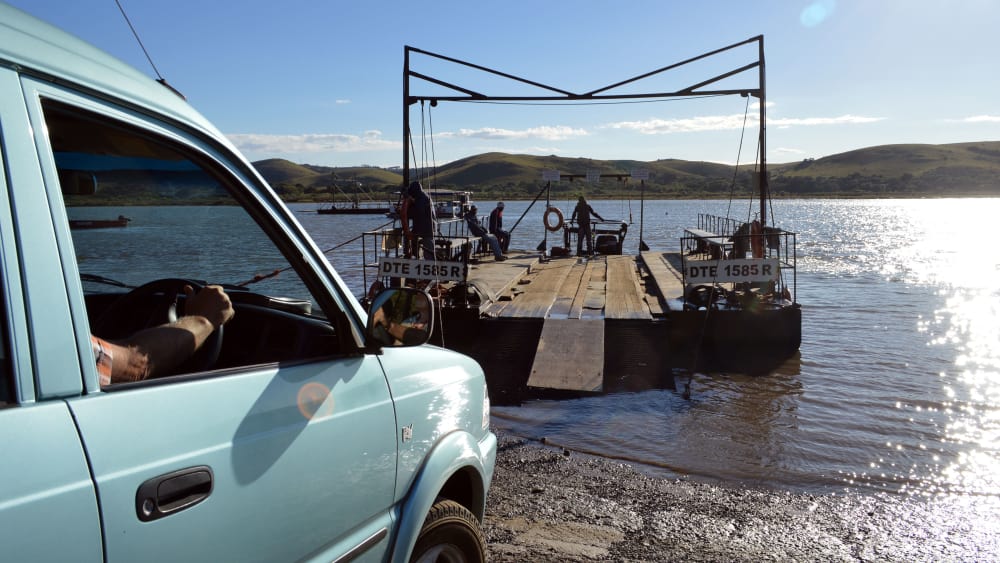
[{"x": 549, "y": 504}]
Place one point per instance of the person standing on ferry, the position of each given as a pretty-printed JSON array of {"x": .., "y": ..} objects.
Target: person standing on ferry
[
  {"x": 418, "y": 221},
  {"x": 496, "y": 227},
  {"x": 581, "y": 214}
]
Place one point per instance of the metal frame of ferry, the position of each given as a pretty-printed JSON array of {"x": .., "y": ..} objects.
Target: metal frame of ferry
[{"x": 729, "y": 311}]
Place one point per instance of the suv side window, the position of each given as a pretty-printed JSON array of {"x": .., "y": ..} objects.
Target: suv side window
[{"x": 142, "y": 208}]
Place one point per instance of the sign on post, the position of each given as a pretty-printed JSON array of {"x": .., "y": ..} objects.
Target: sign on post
[
  {"x": 422, "y": 269},
  {"x": 726, "y": 271},
  {"x": 550, "y": 175}
]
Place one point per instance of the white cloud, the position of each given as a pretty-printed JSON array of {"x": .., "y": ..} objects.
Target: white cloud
[
  {"x": 982, "y": 119},
  {"x": 728, "y": 122},
  {"x": 341, "y": 102},
  {"x": 688, "y": 125},
  {"x": 809, "y": 121},
  {"x": 547, "y": 132},
  {"x": 789, "y": 151},
  {"x": 311, "y": 143}
]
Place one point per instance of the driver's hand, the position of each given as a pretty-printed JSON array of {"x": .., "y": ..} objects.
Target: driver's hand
[{"x": 211, "y": 302}]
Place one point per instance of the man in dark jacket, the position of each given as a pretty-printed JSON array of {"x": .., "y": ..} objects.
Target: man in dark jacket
[
  {"x": 496, "y": 227},
  {"x": 582, "y": 214},
  {"x": 418, "y": 220}
]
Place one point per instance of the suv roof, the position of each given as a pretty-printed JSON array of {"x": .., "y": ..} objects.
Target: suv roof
[{"x": 36, "y": 47}]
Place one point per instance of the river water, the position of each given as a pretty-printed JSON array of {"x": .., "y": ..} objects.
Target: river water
[{"x": 897, "y": 384}]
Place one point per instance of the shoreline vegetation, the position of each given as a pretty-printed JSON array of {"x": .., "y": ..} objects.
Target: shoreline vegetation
[
  {"x": 963, "y": 170},
  {"x": 487, "y": 196},
  {"x": 883, "y": 172}
]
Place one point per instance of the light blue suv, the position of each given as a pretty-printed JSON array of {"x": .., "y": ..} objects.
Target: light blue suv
[{"x": 305, "y": 429}]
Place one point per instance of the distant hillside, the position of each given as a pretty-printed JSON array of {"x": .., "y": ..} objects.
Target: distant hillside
[
  {"x": 305, "y": 182},
  {"x": 958, "y": 169},
  {"x": 961, "y": 169}
]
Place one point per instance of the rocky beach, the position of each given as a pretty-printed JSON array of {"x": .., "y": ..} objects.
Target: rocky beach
[{"x": 551, "y": 504}]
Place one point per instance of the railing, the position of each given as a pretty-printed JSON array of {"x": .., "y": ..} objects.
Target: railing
[
  {"x": 718, "y": 225},
  {"x": 452, "y": 243},
  {"x": 726, "y": 251}
]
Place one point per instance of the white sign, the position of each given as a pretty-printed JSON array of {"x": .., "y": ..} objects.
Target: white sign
[
  {"x": 550, "y": 175},
  {"x": 640, "y": 174},
  {"x": 724, "y": 271},
  {"x": 423, "y": 269}
]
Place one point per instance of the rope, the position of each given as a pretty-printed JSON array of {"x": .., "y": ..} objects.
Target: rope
[
  {"x": 423, "y": 140},
  {"x": 413, "y": 151},
  {"x": 711, "y": 295},
  {"x": 262, "y": 277},
  {"x": 430, "y": 123},
  {"x": 739, "y": 153},
  {"x": 428, "y": 177}
]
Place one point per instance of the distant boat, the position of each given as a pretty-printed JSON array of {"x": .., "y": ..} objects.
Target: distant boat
[
  {"x": 355, "y": 208},
  {"x": 450, "y": 204},
  {"x": 121, "y": 221}
]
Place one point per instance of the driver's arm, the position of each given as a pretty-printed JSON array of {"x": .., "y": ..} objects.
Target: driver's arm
[{"x": 157, "y": 350}]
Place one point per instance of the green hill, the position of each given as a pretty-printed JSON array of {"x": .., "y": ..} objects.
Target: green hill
[
  {"x": 305, "y": 182},
  {"x": 279, "y": 170},
  {"x": 960, "y": 169}
]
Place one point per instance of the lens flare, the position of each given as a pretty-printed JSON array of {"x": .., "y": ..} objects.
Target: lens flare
[{"x": 816, "y": 13}]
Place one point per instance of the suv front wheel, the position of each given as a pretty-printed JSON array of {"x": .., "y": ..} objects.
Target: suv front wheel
[{"x": 450, "y": 535}]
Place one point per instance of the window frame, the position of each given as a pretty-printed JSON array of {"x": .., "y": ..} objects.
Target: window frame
[
  {"x": 8, "y": 395},
  {"x": 232, "y": 172}
]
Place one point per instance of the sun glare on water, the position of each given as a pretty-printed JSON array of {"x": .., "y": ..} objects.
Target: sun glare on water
[{"x": 953, "y": 247}]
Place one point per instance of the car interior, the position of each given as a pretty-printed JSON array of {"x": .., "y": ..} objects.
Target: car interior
[{"x": 149, "y": 215}]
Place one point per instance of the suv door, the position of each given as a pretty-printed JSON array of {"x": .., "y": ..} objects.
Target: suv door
[
  {"x": 48, "y": 506},
  {"x": 284, "y": 447}
]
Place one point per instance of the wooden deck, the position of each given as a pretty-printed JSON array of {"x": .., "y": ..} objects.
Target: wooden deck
[
  {"x": 598, "y": 324},
  {"x": 602, "y": 287},
  {"x": 579, "y": 301}
]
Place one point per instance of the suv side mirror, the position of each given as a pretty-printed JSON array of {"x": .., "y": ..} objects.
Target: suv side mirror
[{"x": 400, "y": 316}]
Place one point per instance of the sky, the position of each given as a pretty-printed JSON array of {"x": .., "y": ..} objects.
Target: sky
[{"x": 321, "y": 82}]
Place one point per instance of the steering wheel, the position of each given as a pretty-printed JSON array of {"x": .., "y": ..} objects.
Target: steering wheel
[{"x": 153, "y": 304}]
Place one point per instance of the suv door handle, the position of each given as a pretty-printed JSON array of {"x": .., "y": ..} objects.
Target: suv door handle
[{"x": 164, "y": 495}]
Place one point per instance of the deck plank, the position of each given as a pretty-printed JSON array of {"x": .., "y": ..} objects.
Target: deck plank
[
  {"x": 540, "y": 294},
  {"x": 580, "y": 299},
  {"x": 500, "y": 277},
  {"x": 568, "y": 292},
  {"x": 597, "y": 290},
  {"x": 624, "y": 295},
  {"x": 570, "y": 356},
  {"x": 501, "y": 280},
  {"x": 665, "y": 270}
]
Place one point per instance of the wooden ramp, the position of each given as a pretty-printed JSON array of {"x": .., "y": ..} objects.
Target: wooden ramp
[
  {"x": 609, "y": 323},
  {"x": 584, "y": 305},
  {"x": 570, "y": 356},
  {"x": 576, "y": 298}
]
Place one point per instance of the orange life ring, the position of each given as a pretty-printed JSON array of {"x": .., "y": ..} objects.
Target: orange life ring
[{"x": 559, "y": 219}]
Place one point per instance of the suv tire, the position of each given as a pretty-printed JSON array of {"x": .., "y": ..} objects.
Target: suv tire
[{"x": 450, "y": 534}]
